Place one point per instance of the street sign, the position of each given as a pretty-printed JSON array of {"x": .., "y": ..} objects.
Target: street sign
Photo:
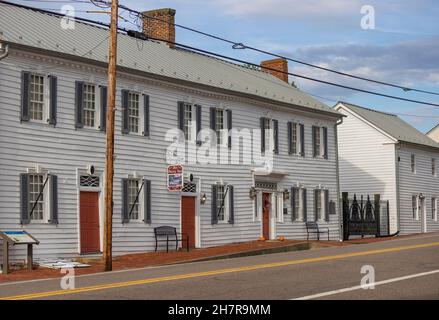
[{"x": 175, "y": 177}]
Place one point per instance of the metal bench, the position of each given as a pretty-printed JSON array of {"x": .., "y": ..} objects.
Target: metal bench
[
  {"x": 313, "y": 227},
  {"x": 171, "y": 235}
]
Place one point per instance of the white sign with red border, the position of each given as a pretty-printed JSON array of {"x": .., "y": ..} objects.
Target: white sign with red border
[{"x": 175, "y": 177}]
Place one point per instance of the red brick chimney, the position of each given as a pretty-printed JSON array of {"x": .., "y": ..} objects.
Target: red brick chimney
[
  {"x": 276, "y": 64},
  {"x": 160, "y": 24}
]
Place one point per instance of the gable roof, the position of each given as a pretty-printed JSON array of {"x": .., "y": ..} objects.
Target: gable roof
[
  {"x": 42, "y": 30},
  {"x": 392, "y": 125}
]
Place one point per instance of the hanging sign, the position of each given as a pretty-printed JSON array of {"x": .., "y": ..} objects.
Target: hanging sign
[{"x": 175, "y": 177}]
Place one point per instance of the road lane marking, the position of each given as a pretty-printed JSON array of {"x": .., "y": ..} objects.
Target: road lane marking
[
  {"x": 215, "y": 272},
  {"x": 354, "y": 288}
]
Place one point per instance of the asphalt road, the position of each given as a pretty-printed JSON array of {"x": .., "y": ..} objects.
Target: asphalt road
[{"x": 406, "y": 268}]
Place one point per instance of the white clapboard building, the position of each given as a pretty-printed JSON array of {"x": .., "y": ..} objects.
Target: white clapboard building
[
  {"x": 382, "y": 154},
  {"x": 53, "y": 96}
]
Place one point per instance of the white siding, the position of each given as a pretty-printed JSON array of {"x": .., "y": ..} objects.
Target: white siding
[
  {"x": 367, "y": 162},
  {"x": 63, "y": 150}
]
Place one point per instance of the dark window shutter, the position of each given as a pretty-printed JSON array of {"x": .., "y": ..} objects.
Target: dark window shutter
[
  {"x": 146, "y": 116},
  {"x": 326, "y": 204},
  {"x": 262, "y": 126},
  {"x": 214, "y": 213},
  {"x": 276, "y": 136},
  {"x": 293, "y": 204},
  {"x": 290, "y": 137},
  {"x": 147, "y": 200},
  {"x": 231, "y": 205},
  {"x": 104, "y": 97},
  {"x": 229, "y": 127},
  {"x": 24, "y": 198},
  {"x": 125, "y": 112},
  {"x": 25, "y": 95},
  {"x": 125, "y": 212},
  {"x": 53, "y": 199},
  {"x": 314, "y": 149},
  {"x": 305, "y": 204},
  {"x": 198, "y": 122},
  {"x": 325, "y": 142},
  {"x": 213, "y": 118},
  {"x": 302, "y": 140},
  {"x": 180, "y": 115},
  {"x": 79, "y": 104},
  {"x": 316, "y": 218},
  {"x": 53, "y": 92}
]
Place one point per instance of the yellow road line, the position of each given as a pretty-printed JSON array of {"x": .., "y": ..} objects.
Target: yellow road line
[{"x": 215, "y": 272}]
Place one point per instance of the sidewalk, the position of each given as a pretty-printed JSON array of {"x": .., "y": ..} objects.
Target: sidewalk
[{"x": 141, "y": 260}]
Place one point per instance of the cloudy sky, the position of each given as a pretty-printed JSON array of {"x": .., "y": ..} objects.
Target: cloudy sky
[{"x": 402, "y": 49}]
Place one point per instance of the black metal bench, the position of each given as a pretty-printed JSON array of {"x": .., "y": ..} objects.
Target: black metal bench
[
  {"x": 313, "y": 227},
  {"x": 171, "y": 235}
]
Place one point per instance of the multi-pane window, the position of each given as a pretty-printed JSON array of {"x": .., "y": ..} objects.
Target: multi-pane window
[
  {"x": 219, "y": 125},
  {"x": 89, "y": 105},
  {"x": 415, "y": 207},
  {"x": 294, "y": 138},
  {"x": 318, "y": 144},
  {"x": 413, "y": 163},
  {"x": 269, "y": 137},
  {"x": 133, "y": 112},
  {"x": 433, "y": 166},
  {"x": 133, "y": 201},
  {"x": 299, "y": 205},
  {"x": 433, "y": 209},
  {"x": 36, "y": 107},
  {"x": 36, "y": 183},
  {"x": 319, "y": 207},
  {"x": 187, "y": 122},
  {"x": 221, "y": 203}
]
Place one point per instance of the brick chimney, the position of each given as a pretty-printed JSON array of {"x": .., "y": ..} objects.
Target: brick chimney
[
  {"x": 276, "y": 64},
  {"x": 162, "y": 27}
]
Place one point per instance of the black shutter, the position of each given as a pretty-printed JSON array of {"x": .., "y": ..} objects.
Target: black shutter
[
  {"x": 146, "y": 116},
  {"x": 180, "y": 115},
  {"x": 214, "y": 209},
  {"x": 293, "y": 204},
  {"x": 147, "y": 200},
  {"x": 79, "y": 104},
  {"x": 53, "y": 92},
  {"x": 25, "y": 95},
  {"x": 125, "y": 112},
  {"x": 231, "y": 205},
  {"x": 325, "y": 142},
  {"x": 262, "y": 126},
  {"x": 198, "y": 122},
  {"x": 314, "y": 138},
  {"x": 305, "y": 205},
  {"x": 125, "y": 213},
  {"x": 316, "y": 195},
  {"x": 326, "y": 204},
  {"x": 276, "y": 136},
  {"x": 213, "y": 119},
  {"x": 24, "y": 199},
  {"x": 229, "y": 128},
  {"x": 302, "y": 140},
  {"x": 104, "y": 97},
  {"x": 290, "y": 137},
  {"x": 53, "y": 199}
]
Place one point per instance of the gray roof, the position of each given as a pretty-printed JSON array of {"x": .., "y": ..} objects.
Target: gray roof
[
  {"x": 392, "y": 125},
  {"x": 33, "y": 28}
]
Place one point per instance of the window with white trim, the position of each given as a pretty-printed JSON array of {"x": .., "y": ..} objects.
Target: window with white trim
[
  {"x": 299, "y": 208},
  {"x": 317, "y": 142},
  {"x": 220, "y": 125},
  {"x": 415, "y": 211},
  {"x": 90, "y": 111},
  {"x": 37, "y": 94},
  {"x": 134, "y": 198},
  {"x": 257, "y": 207},
  {"x": 278, "y": 206},
  {"x": 434, "y": 208},
  {"x": 222, "y": 203},
  {"x": 319, "y": 204},
  {"x": 413, "y": 163},
  {"x": 295, "y": 147},
  {"x": 133, "y": 112},
  {"x": 188, "y": 117},
  {"x": 36, "y": 183}
]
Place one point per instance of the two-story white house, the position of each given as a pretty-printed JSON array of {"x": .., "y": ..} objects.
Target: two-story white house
[
  {"x": 53, "y": 99},
  {"x": 381, "y": 153}
]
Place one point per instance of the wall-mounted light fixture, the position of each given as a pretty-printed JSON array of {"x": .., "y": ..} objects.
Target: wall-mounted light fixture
[
  {"x": 203, "y": 198},
  {"x": 252, "y": 193},
  {"x": 286, "y": 194}
]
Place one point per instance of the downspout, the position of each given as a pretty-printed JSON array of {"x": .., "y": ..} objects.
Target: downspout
[
  {"x": 337, "y": 171},
  {"x": 4, "y": 50},
  {"x": 398, "y": 209}
]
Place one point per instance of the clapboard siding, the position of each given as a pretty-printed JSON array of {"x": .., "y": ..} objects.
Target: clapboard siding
[
  {"x": 63, "y": 150},
  {"x": 415, "y": 183},
  {"x": 367, "y": 162}
]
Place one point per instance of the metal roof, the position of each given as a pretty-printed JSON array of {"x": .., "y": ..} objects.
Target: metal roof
[
  {"x": 34, "y": 28},
  {"x": 392, "y": 125}
]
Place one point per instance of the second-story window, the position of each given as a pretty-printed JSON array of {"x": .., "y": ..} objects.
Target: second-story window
[
  {"x": 269, "y": 134},
  {"x": 219, "y": 125},
  {"x": 133, "y": 112},
  {"x": 413, "y": 163},
  {"x": 89, "y": 105},
  {"x": 320, "y": 142},
  {"x": 433, "y": 167},
  {"x": 36, "y": 107},
  {"x": 187, "y": 122}
]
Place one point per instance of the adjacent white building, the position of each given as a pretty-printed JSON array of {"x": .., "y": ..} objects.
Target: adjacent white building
[
  {"x": 52, "y": 142},
  {"x": 380, "y": 153}
]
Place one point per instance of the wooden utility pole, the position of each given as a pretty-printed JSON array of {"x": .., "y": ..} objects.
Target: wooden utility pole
[{"x": 109, "y": 161}]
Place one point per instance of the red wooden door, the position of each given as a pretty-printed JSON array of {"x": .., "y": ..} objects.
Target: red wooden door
[
  {"x": 188, "y": 219},
  {"x": 89, "y": 218},
  {"x": 266, "y": 215}
]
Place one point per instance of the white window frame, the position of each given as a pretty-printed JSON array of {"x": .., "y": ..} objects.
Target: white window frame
[
  {"x": 141, "y": 205},
  {"x": 413, "y": 163},
  {"x": 140, "y": 123},
  {"x": 222, "y": 133},
  {"x": 257, "y": 209},
  {"x": 226, "y": 206},
  {"x": 268, "y": 138},
  {"x": 299, "y": 204},
  {"x": 295, "y": 128},
  {"x": 46, "y": 197},
  {"x": 46, "y": 97},
  {"x": 190, "y": 126},
  {"x": 434, "y": 208},
  {"x": 415, "y": 207},
  {"x": 97, "y": 106},
  {"x": 278, "y": 206},
  {"x": 323, "y": 200}
]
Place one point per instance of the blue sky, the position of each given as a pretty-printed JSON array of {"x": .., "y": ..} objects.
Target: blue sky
[{"x": 403, "y": 48}]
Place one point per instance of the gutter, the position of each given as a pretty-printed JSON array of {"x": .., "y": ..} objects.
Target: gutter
[{"x": 337, "y": 170}]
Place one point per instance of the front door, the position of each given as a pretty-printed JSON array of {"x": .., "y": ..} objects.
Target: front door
[
  {"x": 266, "y": 204},
  {"x": 89, "y": 222},
  {"x": 188, "y": 219}
]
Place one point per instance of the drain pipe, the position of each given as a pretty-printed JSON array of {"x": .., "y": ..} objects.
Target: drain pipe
[
  {"x": 4, "y": 50},
  {"x": 337, "y": 170}
]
